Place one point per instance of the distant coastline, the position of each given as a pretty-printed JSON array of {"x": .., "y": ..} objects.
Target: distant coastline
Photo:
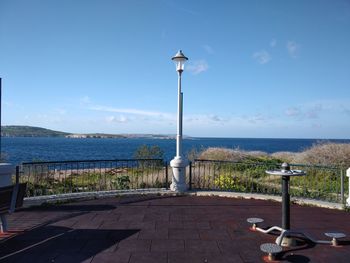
[
  {"x": 113, "y": 136},
  {"x": 30, "y": 131},
  {"x": 27, "y": 149}
]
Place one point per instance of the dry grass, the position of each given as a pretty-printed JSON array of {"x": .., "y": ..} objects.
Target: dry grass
[
  {"x": 224, "y": 154},
  {"x": 284, "y": 156},
  {"x": 330, "y": 154},
  {"x": 333, "y": 154}
]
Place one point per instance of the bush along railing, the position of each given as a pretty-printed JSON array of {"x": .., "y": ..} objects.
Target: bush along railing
[
  {"x": 48, "y": 178},
  {"x": 321, "y": 182}
]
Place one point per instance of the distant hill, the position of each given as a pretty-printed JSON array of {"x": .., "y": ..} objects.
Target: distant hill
[{"x": 29, "y": 131}]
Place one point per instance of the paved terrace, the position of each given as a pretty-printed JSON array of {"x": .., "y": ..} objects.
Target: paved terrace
[{"x": 165, "y": 229}]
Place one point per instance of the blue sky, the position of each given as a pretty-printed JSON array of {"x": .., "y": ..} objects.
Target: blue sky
[{"x": 266, "y": 69}]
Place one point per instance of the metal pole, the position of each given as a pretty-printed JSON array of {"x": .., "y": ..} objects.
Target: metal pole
[
  {"x": 179, "y": 118},
  {"x": 285, "y": 203},
  {"x": 179, "y": 163}
]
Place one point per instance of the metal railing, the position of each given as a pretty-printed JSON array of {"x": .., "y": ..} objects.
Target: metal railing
[
  {"x": 51, "y": 178},
  {"x": 61, "y": 177},
  {"x": 321, "y": 183}
]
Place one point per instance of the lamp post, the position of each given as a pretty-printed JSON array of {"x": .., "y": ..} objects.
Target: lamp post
[{"x": 179, "y": 163}]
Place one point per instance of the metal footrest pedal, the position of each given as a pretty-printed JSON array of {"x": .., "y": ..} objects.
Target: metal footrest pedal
[
  {"x": 255, "y": 221},
  {"x": 272, "y": 250},
  {"x": 335, "y": 236}
]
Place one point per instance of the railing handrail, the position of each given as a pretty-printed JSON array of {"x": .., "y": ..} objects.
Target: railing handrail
[
  {"x": 61, "y": 177},
  {"x": 89, "y": 161},
  {"x": 274, "y": 163}
]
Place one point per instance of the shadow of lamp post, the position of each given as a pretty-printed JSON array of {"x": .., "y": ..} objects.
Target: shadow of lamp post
[{"x": 179, "y": 162}]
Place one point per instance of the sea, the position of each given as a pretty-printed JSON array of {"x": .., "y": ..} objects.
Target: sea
[{"x": 28, "y": 149}]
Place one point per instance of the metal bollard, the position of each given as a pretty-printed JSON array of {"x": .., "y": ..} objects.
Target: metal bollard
[{"x": 285, "y": 198}]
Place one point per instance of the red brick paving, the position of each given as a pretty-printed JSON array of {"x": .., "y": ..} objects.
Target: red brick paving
[{"x": 166, "y": 229}]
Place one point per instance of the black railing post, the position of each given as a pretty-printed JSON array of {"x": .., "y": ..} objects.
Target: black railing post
[
  {"x": 190, "y": 176},
  {"x": 166, "y": 176},
  {"x": 342, "y": 186},
  {"x": 17, "y": 174}
]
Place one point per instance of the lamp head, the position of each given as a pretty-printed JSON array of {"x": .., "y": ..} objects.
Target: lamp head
[{"x": 179, "y": 60}]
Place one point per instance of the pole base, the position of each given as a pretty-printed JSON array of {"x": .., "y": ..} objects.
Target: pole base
[
  {"x": 179, "y": 175},
  {"x": 286, "y": 241}
]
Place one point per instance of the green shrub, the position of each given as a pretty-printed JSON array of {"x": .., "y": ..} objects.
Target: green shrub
[
  {"x": 227, "y": 182},
  {"x": 122, "y": 182}
]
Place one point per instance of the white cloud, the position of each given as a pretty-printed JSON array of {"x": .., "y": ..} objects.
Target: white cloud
[
  {"x": 316, "y": 125},
  {"x": 262, "y": 57},
  {"x": 8, "y": 103},
  {"x": 292, "y": 112},
  {"x": 204, "y": 119},
  {"x": 198, "y": 66},
  {"x": 60, "y": 111},
  {"x": 216, "y": 118},
  {"x": 257, "y": 118},
  {"x": 208, "y": 49},
  {"x": 293, "y": 48},
  {"x": 346, "y": 110},
  {"x": 273, "y": 42},
  {"x": 313, "y": 112},
  {"x": 305, "y": 112},
  {"x": 85, "y": 100},
  {"x": 120, "y": 119},
  {"x": 128, "y": 111}
]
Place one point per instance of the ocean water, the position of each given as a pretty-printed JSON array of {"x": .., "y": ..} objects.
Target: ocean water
[{"x": 19, "y": 150}]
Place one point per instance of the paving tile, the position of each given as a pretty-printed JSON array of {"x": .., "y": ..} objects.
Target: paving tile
[
  {"x": 87, "y": 234},
  {"x": 72, "y": 258},
  {"x": 243, "y": 233},
  {"x": 114, "y": 225},
  {"x": 132, "y": 217},
  {"x": 180, "y": 216},
  {"x": 134, "y": 245},
  {"x": 156, "y": 217},
  {"x": 201, "y": 246},
  {"x": 151, "y": 257},
  {"x": 251, "y": 255},
  {"x": 170, "y": 229},
  {"x": 107, "y": 217},
  {"x": 87, "y": 225},
  {"x": 167, "y": 245},
  {"x": 196, "y": 224},
  {"x": 214, "y": 234},
  {"x": 200, "y": 257},
  {"x": 232, "y": 245},
  {"x": 218, "y": 225},
  {"x": 112, "y": 257},
  {"x": 169, "y": 224},
  {"x": 149, "y": 225},
  {"x": 105, "y": 245},
  {"x": 183, "y": 234},
  {"x": 122, "y": 234},
  {"x": 32, "y": 256},
  {"x": 154, "y": 234}
]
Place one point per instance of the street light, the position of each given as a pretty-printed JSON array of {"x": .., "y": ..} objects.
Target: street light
[{"x": 179, "y": 163}]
